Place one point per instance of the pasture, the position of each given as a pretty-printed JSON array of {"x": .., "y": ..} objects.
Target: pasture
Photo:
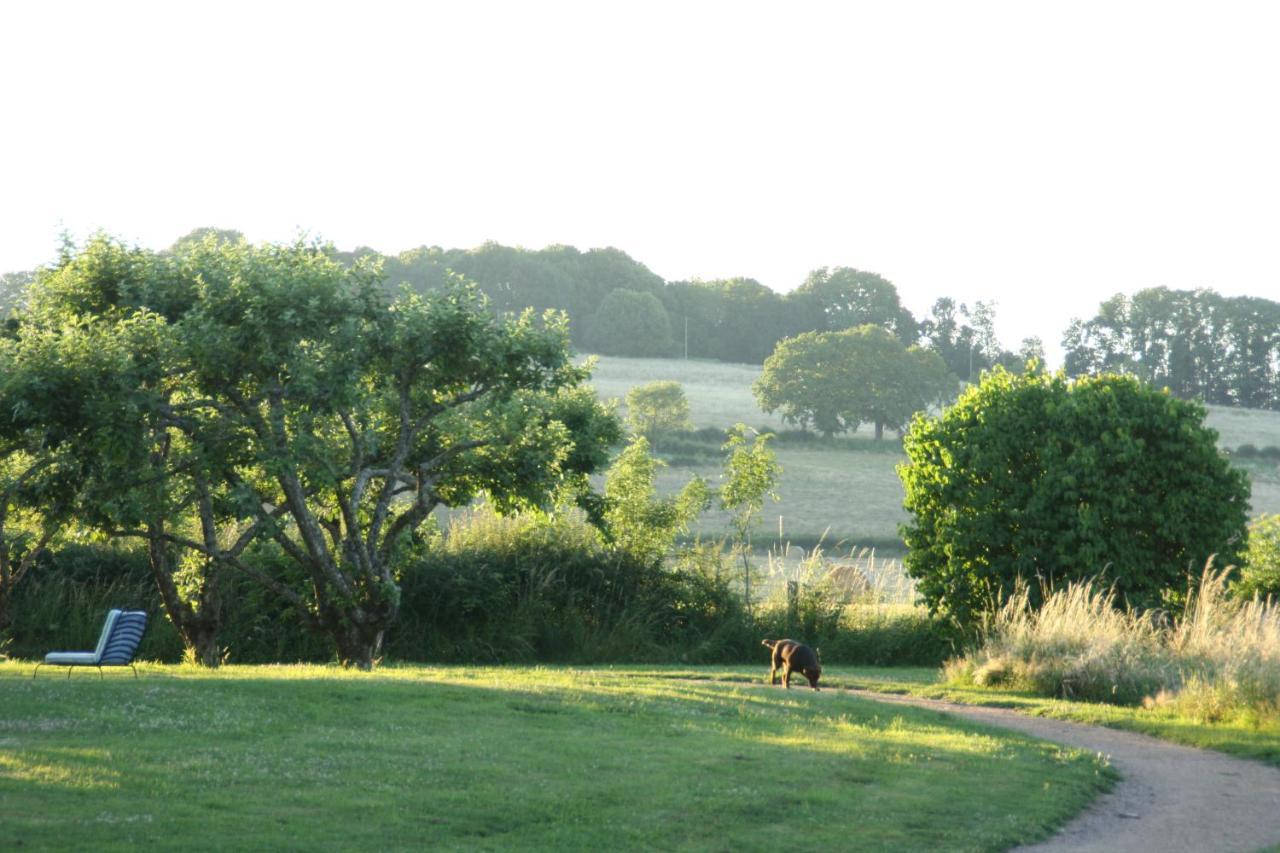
[
  {"x": 511, "y": 757},
  {"x": 851, "y": 495}
]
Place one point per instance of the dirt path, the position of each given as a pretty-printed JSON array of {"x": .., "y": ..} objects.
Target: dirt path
[{"x": 1169, "y": 797}]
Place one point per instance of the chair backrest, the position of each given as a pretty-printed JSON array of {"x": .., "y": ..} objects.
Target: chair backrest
[
  {"x": 124, "y": 640},
  {"x": 107, "y": 627}
]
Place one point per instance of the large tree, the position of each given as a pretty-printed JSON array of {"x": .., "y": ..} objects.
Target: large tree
[
  {"x": 845, "y": 298},
  {"x": 834, "y": 381},
  {"x": 282, "y": 396}
]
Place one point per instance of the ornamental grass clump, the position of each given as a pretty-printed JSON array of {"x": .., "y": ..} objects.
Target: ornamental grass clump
[
  {"x": 1228, "y": 652},
  {"x": 1077, "y": 645},
  {"x": 1219, "y": 659}
]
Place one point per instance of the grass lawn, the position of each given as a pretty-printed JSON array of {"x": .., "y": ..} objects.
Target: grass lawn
[
  {"x": 313, "y": 757},
  {"x": 1249, "y": 738}
]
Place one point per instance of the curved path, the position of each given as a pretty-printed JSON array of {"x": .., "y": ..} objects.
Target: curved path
[{"x": 1169, "y": 797}]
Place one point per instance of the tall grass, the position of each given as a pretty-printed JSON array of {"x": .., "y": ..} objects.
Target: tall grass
[
  {"x": 855, "y": 607},
  {"x": 1219, "y": 658}
]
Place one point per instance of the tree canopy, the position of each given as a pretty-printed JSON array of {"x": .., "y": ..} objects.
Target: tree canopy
[
  {"x": 833, "y": 381},
  {"x": 1198, "y": 344},
  {"x": 270, "y": 393}
]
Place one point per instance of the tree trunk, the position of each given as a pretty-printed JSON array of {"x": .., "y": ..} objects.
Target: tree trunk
[
  {"x": 879, "y": 430},
  {"x": 359, "y": 646},
  {"x": 198, "y": 628}
]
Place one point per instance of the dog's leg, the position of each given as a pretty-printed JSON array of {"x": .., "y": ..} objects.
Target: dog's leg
[
  {"x": 786, "y": 674},
  {"x": 773, "y": 673}
]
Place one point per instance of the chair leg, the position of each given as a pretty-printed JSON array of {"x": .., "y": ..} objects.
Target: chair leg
[
  {"x": 69, "y": 672},
  {"x": 135, "y": 670},
  {"x": 37, "y": 672},
  {"x": 99, "y": 673}
]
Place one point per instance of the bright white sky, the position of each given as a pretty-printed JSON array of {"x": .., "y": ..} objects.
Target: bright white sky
[{"x": 1041, "y": 155}]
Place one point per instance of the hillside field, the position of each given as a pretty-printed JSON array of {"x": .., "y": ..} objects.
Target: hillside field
[{"x": 852, "y": 496}]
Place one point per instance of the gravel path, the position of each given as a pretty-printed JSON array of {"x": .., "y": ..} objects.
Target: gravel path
[{"x": 1169, "y": 797}]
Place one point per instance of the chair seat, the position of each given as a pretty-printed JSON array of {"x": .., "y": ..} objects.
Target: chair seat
[{"x": 72, "y": 658}]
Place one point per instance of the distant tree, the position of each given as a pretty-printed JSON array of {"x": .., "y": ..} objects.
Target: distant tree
[
  {"x": 630, "y": 323},
  {"x": 1039, "y": 480},
  {"x": 1031, "y": 349},
  {"x": 834, "y": 381},
  {"x": 1196, "y": 343},
  {"x": 846, "y": 298},
  {"x": 657, "y": 407},
  {"x": 198, "y": 235},
  {"x": 13, "y": 289},
  {"x": 733, "y": 319}
]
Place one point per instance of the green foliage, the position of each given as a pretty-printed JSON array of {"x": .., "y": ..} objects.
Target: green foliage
[
  {"x": 836, "y": 380},
  {"x": 640, "y": 524},
  {"x": 227, "y": 394},
  {"x": 1198, "y": 344},
  {"x": 657, "y": 407},
  {"x": 849, "y": 298},
  {"x": 1034, "y": 477},
  {"x": 751, "y": 471},
  {"x": 630, "y": 323},
  {"x": 537, "y": 586},
  {"x": 1260, "y": 571}
]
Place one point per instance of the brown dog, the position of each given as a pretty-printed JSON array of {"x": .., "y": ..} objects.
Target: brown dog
[{"x": 788, "y": 655}]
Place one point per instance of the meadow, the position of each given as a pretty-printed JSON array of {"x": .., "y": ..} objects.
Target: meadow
[
  {"x": 849, "y": 494},
  {"x": 510, "y": 757}
]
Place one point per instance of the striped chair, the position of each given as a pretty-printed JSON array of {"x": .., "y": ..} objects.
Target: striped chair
[{"x": 121, "y": 634}]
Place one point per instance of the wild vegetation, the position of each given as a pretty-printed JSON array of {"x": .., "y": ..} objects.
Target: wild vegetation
[{"x": 1219, "y": 659}]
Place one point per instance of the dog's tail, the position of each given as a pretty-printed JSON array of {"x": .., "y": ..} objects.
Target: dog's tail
[{"x": 769, "y": 643}]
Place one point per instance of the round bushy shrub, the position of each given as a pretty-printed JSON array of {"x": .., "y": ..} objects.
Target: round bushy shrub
[{"x": 1047, "y": 480}]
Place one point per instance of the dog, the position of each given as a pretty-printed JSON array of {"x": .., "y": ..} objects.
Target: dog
[{"x": 789, "y": 656}]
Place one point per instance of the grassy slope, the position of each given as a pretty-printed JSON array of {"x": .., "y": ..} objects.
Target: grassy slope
[
  {"x": 857, "y": 496},
  {"x": 273, "y": 757}
]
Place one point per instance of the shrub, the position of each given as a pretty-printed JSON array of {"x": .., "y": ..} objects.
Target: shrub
[
  {"x": 1035, "y": 477},
  {"x": 62, "y": 603},
  {"x": 1260, "y": 574}
]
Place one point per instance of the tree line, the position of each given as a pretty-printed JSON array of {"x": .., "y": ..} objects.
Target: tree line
[{"x": 1199, "y": 344}]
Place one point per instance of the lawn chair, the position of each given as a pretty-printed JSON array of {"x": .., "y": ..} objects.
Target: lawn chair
[{"x": 121, "y": 634}]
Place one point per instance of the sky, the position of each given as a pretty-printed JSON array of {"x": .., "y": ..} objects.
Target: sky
[{"x": 1042, "y": 155}]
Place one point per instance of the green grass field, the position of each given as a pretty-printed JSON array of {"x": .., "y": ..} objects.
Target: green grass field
[
  {"x": 513, "y": 757},
  {"x": 854, "y": 497}
]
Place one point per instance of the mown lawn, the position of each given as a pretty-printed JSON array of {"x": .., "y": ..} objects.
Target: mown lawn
[
  {"x": 412, "y": 757},
  {"x": 1245, "y": 736}
]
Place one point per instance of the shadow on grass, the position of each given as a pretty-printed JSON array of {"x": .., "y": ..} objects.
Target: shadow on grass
[{"x": 535, "y": 757}]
